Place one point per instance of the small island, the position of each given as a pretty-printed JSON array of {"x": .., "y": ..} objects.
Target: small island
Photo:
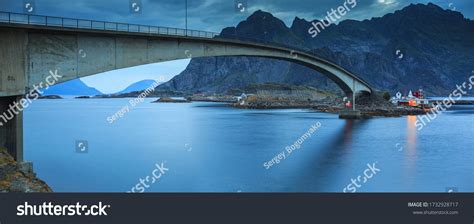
[
  {"x": 82, "y": 97},
  {"x": 171, "y": 100},
  {"x": 50, "y": 97}
]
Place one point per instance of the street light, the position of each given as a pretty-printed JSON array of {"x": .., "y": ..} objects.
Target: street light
[{"x": 186, "y": 17}]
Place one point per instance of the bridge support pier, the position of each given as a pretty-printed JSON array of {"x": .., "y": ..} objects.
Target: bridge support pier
[
  {"x": 11, "y": 127},
  {"x": 351, "y": 114}
]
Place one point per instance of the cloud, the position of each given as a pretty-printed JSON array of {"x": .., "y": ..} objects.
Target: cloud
[{"x": 214, "y": 15}]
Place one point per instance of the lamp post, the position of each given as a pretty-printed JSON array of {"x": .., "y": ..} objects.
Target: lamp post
[
  {"x": 353, "y": 95},
  {"x": 186, "y": 16}
]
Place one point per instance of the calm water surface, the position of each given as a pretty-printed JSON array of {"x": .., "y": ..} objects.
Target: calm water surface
[{"x": 209, "y": 147}]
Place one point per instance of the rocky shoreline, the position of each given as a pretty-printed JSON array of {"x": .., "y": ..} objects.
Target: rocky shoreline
[
  {"x": 369, "y": 105},
  {"x": 19, "y": 177},
  {"x": 373, "y": 105},
  {"x": 213, "y": 98}
]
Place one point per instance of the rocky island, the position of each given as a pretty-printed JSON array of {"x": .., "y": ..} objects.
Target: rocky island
[
  {"x": 284, "y": 97},
  {"x": 374, "y": 105},
  {"x": 171, "y": 100},
  {"x": 82, "y": 97},
  {"x": 50, "y": 97}
]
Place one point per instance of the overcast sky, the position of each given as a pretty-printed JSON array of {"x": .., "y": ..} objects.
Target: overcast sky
[{"x": 209, "y": 15}]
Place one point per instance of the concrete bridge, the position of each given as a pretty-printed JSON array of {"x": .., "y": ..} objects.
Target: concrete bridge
[{"x": 32, "y": 46}]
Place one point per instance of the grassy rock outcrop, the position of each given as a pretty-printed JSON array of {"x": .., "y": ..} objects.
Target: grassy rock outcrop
[{"x": 18, "y": 177}]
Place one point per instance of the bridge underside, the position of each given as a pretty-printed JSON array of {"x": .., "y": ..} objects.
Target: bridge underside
[{"x": 33, "y": 53}]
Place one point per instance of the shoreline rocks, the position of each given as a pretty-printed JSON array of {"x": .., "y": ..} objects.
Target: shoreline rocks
[
  {"x": 19, "y": 177},
  {"x": 213, "y": 98}
]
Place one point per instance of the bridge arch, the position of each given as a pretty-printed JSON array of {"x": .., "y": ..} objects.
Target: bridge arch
[{"x": 80, "y": 53}]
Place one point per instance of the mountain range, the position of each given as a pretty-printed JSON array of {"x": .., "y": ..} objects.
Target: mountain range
[
  {"x": 419, "y": 46},
  {"x": 77, "y": 87}
]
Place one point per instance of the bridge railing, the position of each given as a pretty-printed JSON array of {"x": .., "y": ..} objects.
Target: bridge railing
[{"x": 52, "y": 21}]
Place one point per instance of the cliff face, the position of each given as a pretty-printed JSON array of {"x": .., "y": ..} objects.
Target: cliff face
[
  {"x": 435, "y": 51},
  {"x": 18, "y": 177}
]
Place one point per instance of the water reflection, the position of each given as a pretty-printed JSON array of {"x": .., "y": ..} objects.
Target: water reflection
[
  {"x": 410, "y": 151},
  {"x": 324, "y": 158},
  {"x": 411, "y": 135}
]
